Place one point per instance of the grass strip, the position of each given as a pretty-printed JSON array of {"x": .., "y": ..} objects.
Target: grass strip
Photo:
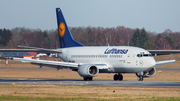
[{"x": 19, "y": 98}]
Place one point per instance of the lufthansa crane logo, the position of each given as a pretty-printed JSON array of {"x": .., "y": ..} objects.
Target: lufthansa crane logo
[
  {"x": 61, "y": 29},
  {"x": 141, "y": 62}
]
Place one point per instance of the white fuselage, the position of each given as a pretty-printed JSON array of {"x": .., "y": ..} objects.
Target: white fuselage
[{"x": 119, "y": 59}]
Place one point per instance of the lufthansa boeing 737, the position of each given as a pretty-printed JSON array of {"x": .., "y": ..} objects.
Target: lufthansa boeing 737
[{"x": 89, "y": 61}]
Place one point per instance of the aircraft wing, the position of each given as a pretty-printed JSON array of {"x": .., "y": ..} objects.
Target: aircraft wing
[
  {"x": 165, "y": 62},
  {"x": 58, "y": 64},
  {"x": 42, "y": 49},
  {"x": 49, "y": 63}
]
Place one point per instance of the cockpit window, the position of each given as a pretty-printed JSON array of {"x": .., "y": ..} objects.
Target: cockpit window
[
  {"x": 139, "y": 55},
  {"x": 144, "y": 55},
  {"x": 150, "y": 55}
]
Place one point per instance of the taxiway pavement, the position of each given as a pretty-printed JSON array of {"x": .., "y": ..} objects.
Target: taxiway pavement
[{"x": 169, "y": 84}]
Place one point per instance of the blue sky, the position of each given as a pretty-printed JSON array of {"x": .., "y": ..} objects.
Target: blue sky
[{"x": 153, "y": 15}]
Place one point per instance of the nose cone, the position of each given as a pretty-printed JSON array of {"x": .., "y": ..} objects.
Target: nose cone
[{"x": 151, "y": 62}]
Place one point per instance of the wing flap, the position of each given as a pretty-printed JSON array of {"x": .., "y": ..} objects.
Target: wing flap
[
  {"x": 52, "y": 63},
  {"x": 165, "y": 62},
  {"x": 57, "y": 63}
]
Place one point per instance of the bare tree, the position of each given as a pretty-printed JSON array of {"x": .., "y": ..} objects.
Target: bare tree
[{"x": 161, "y": 42}]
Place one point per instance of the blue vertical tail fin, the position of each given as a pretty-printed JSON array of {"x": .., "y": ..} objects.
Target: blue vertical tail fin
[{"x": 65, "y": 37}]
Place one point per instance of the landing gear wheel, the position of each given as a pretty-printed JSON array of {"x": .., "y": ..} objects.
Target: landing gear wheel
[
  {"x": 120, "y": 77},
  {"x": 140, "y": 78},
  {"x": 116, "y": 77},
  {"x": 90, "y": 78},
  {"x": 87, "y": 78}
]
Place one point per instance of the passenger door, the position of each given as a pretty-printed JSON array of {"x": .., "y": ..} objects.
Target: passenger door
[{"x": 129, "y": 55}]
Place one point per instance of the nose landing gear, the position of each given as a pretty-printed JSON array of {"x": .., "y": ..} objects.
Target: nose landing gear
[
  {"x": 118, "y": 76},
  {"x": 140, "y": 78}
]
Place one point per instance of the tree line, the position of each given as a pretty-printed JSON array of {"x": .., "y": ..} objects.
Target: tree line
[{"x": 91, "y": 36}]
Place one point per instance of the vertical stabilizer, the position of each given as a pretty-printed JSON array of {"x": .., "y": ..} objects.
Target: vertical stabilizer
[{"x": 65, "y": 37}]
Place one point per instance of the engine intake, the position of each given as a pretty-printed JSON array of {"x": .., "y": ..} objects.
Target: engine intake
[
  {"x": 88, "y": 70},
  {"x": 147, "y": 74}
]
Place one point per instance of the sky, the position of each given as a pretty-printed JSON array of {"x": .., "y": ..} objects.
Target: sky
[{"x": 153, "y": 15}]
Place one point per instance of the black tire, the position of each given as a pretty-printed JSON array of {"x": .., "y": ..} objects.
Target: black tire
[
  {"x": 90, "y": 78},
  {"x": 120, "y": 77},
  {"x": 85, "y": 78},
  {"x": 116, "y": 77},
  {"x": 140, "y": 78}
]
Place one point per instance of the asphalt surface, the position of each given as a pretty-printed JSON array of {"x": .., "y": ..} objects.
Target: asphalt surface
[
  {"x": 168, "y": 84},
  {"x": 171, "y": 84}
]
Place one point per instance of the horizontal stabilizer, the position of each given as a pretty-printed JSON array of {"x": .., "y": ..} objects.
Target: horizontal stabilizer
[{"x": 42, "y": 49}]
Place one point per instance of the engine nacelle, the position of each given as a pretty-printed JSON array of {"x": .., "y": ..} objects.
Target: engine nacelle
[
  {"x": 88, "y": 70},
  {"x": 147, "y": 74}
]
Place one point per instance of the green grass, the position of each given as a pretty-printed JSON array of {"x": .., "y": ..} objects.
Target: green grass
[
  {"x": 166, "y": 99},
  {"x": 19, "y": 98}
]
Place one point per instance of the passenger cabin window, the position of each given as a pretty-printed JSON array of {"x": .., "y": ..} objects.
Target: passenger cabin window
[{"x": 144, "y": 55}]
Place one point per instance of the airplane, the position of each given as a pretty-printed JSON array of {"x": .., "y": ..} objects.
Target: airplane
[{"x": 89, "y": 61}]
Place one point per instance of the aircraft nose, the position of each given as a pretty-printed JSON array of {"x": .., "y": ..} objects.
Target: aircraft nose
[{"x": 152, "y": 62}]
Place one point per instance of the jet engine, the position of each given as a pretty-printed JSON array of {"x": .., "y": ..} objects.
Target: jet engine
[
  {"x": 88, "y": 70},
  {"x": 148, "y": 73}
]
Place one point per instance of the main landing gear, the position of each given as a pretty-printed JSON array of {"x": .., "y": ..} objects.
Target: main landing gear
[
  {"x": 118, "y": 76},
  {"x": 88, "y": 78}
]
